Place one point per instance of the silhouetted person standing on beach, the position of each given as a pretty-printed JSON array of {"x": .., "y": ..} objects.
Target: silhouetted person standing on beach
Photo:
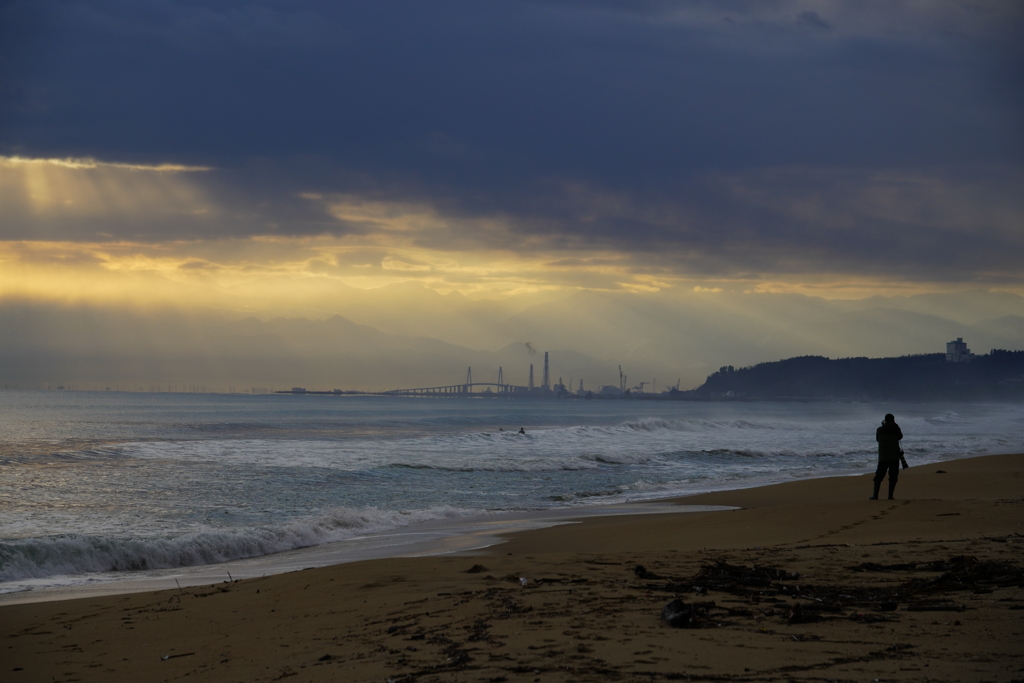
[{"x": 890, "y": 454}]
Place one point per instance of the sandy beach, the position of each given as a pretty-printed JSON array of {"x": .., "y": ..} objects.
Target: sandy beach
[{"x": 808, "y": 580}]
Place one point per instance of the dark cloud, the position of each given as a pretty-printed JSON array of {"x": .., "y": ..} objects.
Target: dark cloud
[
  {"x": 374, "y": 87},
  {"x": 813, "y": 20},
  {"x": 658, "y": 125}
]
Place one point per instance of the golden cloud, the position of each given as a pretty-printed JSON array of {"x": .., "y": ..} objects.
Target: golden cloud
[
  {"x": 386, "y": 242},
  {"x": 90, "y": 163},
  {"x": 35, "y": 191}
]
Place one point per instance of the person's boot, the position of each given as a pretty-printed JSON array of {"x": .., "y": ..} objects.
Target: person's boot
[
  {"x": 892, "y": 487},
  {"x": 874, "y": 496}
]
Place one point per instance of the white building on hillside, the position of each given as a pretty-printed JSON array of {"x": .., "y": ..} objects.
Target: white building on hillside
[{"x": 957, "y": 351}]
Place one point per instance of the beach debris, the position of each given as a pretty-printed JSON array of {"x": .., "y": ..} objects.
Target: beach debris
[
  {"x": 805, "y": 637},
  {"x": 723, "y": 574},
  {"x": 479, "y": 631},
  {"x": 679, "y": 614},
  {"x": 523, "y": 581},
  {"x": 966, "y": 572},
  {"x": 796, "y": 614},
  {"x": 477, "y": 569},
  {"x": 804, "y": 613},
  {"x": 769, "y": 587},
  {"x": 766, "y": 583},
  {"x": 959, "y": 573},
  {"x": 641, "y": 572},
  {"x": 875, "y": 567},
  {"x": 325, "y": 658},
  {"x": 736, "y": 579},
  {"x": 935, "y": 607},
  {"x": 183, "y": 654},
  {"x": 863, "y": 618}
]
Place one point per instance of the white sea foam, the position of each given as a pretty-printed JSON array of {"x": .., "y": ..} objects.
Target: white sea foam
[
  {"x": 947, "y": 419},
  {"x": 571, "y": 447},
  {"x": 77, "y": 554}
]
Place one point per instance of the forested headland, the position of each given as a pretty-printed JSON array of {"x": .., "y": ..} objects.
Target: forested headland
[{"x": 996, "y": 376}]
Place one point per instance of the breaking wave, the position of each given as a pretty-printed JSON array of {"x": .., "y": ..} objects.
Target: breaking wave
[
  {"x": 552, "y": 448},
  {"x": 947, "y": 419},
  {"x": 33, "y": 558}
]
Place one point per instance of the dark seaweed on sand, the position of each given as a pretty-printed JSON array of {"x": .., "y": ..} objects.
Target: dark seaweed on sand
[{"x": 762, "y": 584}]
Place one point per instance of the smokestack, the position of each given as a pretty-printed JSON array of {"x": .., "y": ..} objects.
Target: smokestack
[
  {"x": 547, "y": 378},
  {"x": 531, "y": 377}
]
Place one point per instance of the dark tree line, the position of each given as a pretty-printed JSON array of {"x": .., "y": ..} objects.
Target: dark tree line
[{"x": 997, "y": 376}]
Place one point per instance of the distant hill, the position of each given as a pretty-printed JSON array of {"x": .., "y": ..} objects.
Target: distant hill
[{"x": 997, "y": 376}]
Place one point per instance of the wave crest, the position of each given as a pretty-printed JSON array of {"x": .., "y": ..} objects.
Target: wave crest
[{"x": 33, "y": 558}]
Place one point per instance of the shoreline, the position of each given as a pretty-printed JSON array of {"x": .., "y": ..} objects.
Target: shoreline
[
  {"x": 423, "y": 539},
  {"x": 807, "y": 580},
  {"x": 432, "y": 537}
]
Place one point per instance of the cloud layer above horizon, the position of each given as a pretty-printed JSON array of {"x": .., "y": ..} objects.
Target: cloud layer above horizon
[{"x": 516, "y": 145}]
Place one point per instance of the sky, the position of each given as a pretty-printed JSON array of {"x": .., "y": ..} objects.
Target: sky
[
  {"x": 171, "y": 151},
  {"x": 518, "y": 146}
]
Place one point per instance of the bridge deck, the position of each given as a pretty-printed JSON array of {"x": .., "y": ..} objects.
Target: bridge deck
[{"x": 465, "y": 389}]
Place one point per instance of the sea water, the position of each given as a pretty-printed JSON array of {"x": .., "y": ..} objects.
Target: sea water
[{"x": 110, "y": 484}]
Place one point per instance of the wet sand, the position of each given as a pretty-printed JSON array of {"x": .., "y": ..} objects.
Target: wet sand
[{"x": 808, "y": 581}]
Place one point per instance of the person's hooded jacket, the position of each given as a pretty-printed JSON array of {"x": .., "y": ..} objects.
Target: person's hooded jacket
[{"x": 888, "y": 437}]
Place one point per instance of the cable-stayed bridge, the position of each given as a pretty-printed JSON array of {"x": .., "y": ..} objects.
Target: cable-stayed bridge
[{"x": 471, "y": 388}]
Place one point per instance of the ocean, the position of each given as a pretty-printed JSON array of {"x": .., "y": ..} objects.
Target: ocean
[{"x": 100, "y": 487}]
